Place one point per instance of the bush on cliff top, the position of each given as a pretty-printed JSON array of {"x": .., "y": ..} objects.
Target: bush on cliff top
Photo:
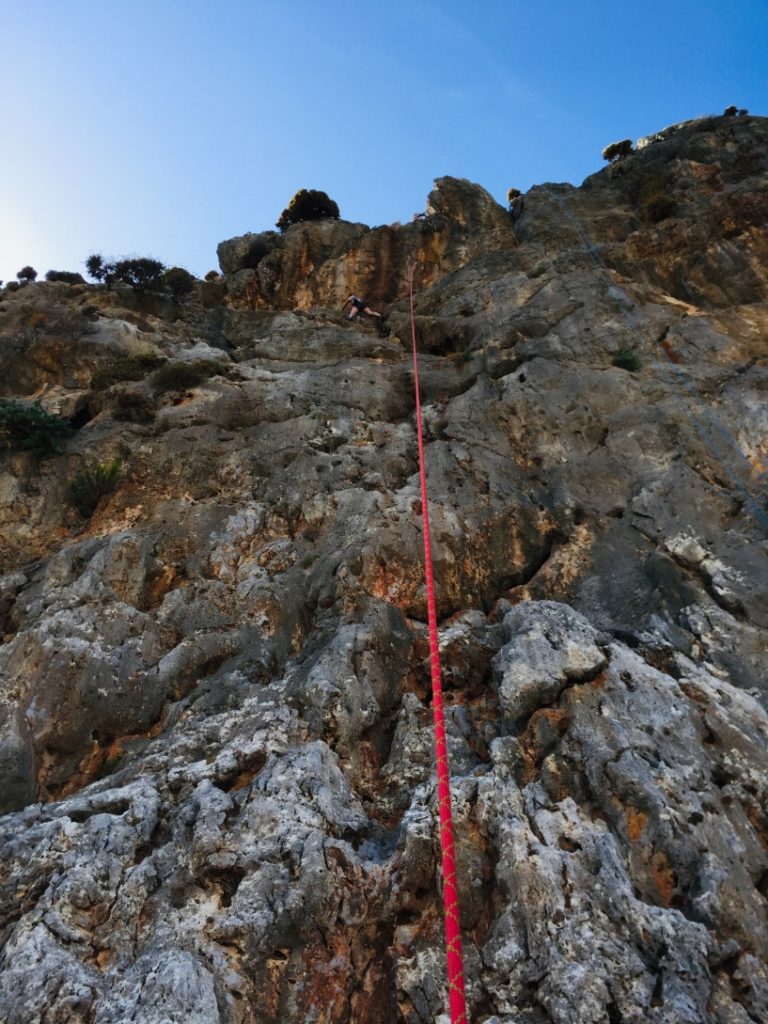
[
  {"x": 616, "y": 150},
  {"x": 179, "y": 282},
  {"x": 141, "y": 273},
  {"x": 65, "y": 276},
  {"x": 308, "y": 204}
]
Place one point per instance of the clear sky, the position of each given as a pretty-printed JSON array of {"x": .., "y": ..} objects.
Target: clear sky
[{"x": 160, "y": 128}]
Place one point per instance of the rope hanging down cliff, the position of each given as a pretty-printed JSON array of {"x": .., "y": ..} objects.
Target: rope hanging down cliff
[{"x": 454, "y": 956}]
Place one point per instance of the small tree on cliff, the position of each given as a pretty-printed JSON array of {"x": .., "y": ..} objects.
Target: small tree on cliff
[
  {"x": 308, "y": 204},
  {"x": 140, "y": 272},
  {"x": 617, "y": 150},
  {"x": 96, "y": 267},
  {"x": 27, "y": 274},
  {"x": 179, "y": 282}
]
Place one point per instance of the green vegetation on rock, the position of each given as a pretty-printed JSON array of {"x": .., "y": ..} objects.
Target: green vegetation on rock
[
  {"x": 179, "y": 282},
  {"x": 178, "y": 376},
  {"x": 26, "y": 426},
  {"x": 92, "y": 483},
  {"x": 308, "y": 204},
  {"x": 125, "y": 368},
  {"x": 616, "y": 150},
  {"x": 627, "y": 359},
  {"x": 65, "y": 276}
]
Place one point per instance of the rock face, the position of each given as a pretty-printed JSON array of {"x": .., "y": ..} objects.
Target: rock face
[
  {"x": 320, "y": 263},
  {"x": 215, "y": 723}
]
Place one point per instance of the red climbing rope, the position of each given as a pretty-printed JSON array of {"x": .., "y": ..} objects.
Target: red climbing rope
[{"x": 455, "y": 960}]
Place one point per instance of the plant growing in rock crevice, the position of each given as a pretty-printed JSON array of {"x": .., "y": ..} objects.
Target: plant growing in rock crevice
[
  {"x": 28, "y": 427},
  {"x": 178, "y": 376},
  {"x": 92, "y": 483},
  {"x": 626, "y": 359},
  {"x": 124, "y": 368},
  {"x": 132, "y": 407},
  {"x": 655, "y": 200}
]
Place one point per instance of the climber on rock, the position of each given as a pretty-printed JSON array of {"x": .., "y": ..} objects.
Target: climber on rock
[{"x": 358, "y": 306}]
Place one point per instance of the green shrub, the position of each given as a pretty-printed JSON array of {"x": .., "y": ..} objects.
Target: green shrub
[
  {"x": 96, "y": 266},
  {"x": 125, "y": 368},
  {"x": 12, "y": 286},
  {"x": 180, "y": 376},
  {"x": 91, "y": 484},
  {"x": 27, "y": 274},
  {"x": 212, "y": 275},
  {"x": 141, "y": 273},
  {"x": 28, "y": 427},
  {"x": 655, "y": 201},
  {"x": 627, "y": 359},
  {"x": 617, "y": 150},
  {"x": 308, "y": 204},
  {"x": 65, "y": 276},
  {"x": 108, "y": 766},
  {"x": 179, "y": 282},
  {"x": 132, "y": 407}
]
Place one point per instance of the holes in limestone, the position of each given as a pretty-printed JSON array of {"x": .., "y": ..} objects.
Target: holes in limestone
[
  {"x": 81, "y": 418},
  {"x": 228, "y": 882},
  {"x": 720, "y": 776},
  {"x": 408, "y": 917},
  {"x": 116, "y": 807},
  {"x": 244, "y": 776},
  {"x": 569, "y": 845},
  {"x": 626, "y": 678},
  {"x": 657, "y": 998}
]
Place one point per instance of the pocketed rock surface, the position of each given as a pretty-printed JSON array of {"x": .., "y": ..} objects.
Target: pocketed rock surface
[{"x": 215, "y": 711}]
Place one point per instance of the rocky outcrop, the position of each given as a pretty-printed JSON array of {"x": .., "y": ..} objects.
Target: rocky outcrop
[
  {"x": 215, "y": 722},
  {"x": 320, "y": 263}
]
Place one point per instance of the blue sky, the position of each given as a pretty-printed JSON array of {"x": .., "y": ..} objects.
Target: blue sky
[{"x": 160, "y": 128}]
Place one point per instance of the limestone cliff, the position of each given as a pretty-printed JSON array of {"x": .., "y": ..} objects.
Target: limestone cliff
[{"x": 215, "y": 733}]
